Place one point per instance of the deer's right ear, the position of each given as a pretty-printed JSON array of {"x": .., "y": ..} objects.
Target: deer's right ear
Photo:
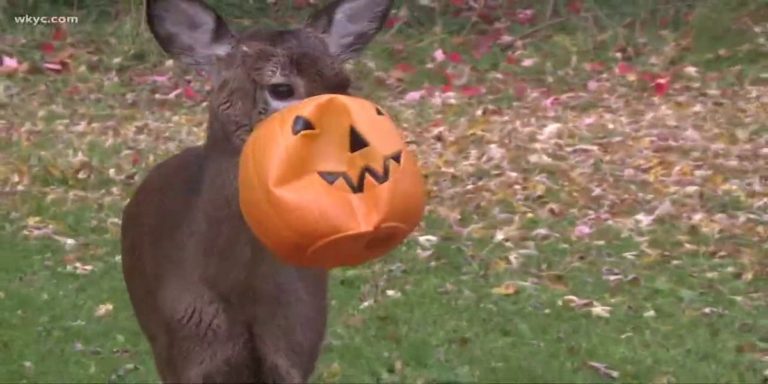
[{"x": 189, "y": 30}]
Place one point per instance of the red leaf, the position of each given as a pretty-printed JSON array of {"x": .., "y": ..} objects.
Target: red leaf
[
  {"x": 59, "y": 33},
  {"x": 392, "y": 21},
  {"x": 454, "y": 57},
  {"x": 624, "y": 68},
  {"x": 486, "y": 17},
  {"x": 472, "y": 90},
  {"x": 485, "y": 42},
  {"x": 405, "y": 68},
  {"x": 47, "y": 47},
  {"x": 521, "y": 89},
  {"x": 595, "y": 66},
  {"x": 189, "y": 93},
  {"x": 135, "y": 158},
  {"x": 661, "y": 86},
  {"x": 525, "y": 16},
  {"x": 575, "y": 6}
]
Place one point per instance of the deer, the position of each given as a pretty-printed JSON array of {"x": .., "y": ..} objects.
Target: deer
[{"x": 214, "y": 304}]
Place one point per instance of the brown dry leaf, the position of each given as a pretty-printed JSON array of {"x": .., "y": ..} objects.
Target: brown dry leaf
[
  {"x": 355, "y": 321},
  {"x": 398, "y": 367},
  {"x": 593, "y": 307},
  {"x": 70, "y": 259},
  {"x": 555, "y": 280},
  {"x": 506, "y": 289}
]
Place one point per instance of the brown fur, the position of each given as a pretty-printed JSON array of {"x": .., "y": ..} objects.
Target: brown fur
[{"x": 214, "y": 304}]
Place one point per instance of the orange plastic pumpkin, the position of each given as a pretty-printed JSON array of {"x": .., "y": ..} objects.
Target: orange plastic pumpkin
[{"x": 329, "y": 182}]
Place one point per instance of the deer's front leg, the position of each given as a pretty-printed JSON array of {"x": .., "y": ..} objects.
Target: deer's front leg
[{"x": 288, "y": 324}]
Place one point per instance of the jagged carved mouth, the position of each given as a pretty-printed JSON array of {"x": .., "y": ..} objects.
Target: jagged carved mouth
[{"x": 357, "y": 186}]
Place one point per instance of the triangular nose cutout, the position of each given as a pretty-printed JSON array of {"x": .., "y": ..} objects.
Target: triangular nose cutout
[{"x": 356, "y": 140}]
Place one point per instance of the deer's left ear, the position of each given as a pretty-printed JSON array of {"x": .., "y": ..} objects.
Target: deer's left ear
[
  {"x": 349, "y": 25},
  {"x": 189, "y": 30}
]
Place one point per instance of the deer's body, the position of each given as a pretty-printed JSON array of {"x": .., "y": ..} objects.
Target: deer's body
[{"x": 213, "y": 303}]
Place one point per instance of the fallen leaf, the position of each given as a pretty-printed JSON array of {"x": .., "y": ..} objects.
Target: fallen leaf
[
  {"x": 471, "y": 91},
  {"x": 582, "y": 231},
  {"x": 603, "y": 370},
  {"x": 528, "y": 62},
  {"x": 661, "y": 86},
  {"x": 454, "y": 57},
  {"x": 103, "y": 310},
  {"x": 555, "y": 280},
  {"x": 623, "y": 68},
  {"x": 438, "y": 55},
  {"x": 59, "y": 33},
  {"x": 10, "y": 64},
  {"x": 47, "y": 47},
  {"x": 600, "y": 311},
  {"x": 332, "y": 373},
  {"x": 525, "y": 16},
  {"x": 414, "y": 96},
  {"x": 505, "y": 289},
  {"x": 190, "y": 94}
]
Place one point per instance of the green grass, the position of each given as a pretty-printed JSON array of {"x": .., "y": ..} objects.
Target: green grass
[
  {"x": 688, "y": 303},
  {"x": 442, "y": 325}
]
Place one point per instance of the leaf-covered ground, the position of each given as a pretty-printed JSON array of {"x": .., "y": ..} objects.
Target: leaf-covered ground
[{"x": 594, "y": 215}]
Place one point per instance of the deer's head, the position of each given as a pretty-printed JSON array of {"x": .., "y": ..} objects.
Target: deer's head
[{"x": 260, "y": 71}]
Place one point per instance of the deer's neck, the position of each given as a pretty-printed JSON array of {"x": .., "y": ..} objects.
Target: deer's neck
[{"x": 222, "y": 156}]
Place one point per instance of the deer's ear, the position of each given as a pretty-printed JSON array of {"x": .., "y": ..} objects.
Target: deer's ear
[
  {"x": 349, "y": 25},
  {"x": 189, "y": 30}
]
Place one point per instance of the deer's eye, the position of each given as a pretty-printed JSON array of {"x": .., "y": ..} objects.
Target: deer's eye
[{"x": 280, "y": 91}]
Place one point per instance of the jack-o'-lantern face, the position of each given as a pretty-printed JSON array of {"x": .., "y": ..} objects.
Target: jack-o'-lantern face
[
  {"x": 357, "y": 159},
  {"x": 329, "y": 182}
]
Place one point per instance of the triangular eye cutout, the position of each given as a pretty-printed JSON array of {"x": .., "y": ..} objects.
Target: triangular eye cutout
[
  {"x": 301, "y": 124},
  {"x": 379, "y": 111},
  {"x": 397, "y": 157},
  {"x": 356, "y": 140},
  {"x": 330, "y": 177}
]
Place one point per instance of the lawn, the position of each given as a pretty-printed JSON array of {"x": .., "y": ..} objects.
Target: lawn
[{"x": 598, "y": 199}]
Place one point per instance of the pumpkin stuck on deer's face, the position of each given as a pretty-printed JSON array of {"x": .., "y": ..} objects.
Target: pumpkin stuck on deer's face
[{"x": 336, "y": 180}]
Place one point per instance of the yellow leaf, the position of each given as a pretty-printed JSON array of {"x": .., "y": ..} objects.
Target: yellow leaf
[
  {"x": 506, "y": 289},
  {"x": 498, "y": 265},
  {"x": 103, "y": 310},
  {"x": 332, "y": 374}
]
